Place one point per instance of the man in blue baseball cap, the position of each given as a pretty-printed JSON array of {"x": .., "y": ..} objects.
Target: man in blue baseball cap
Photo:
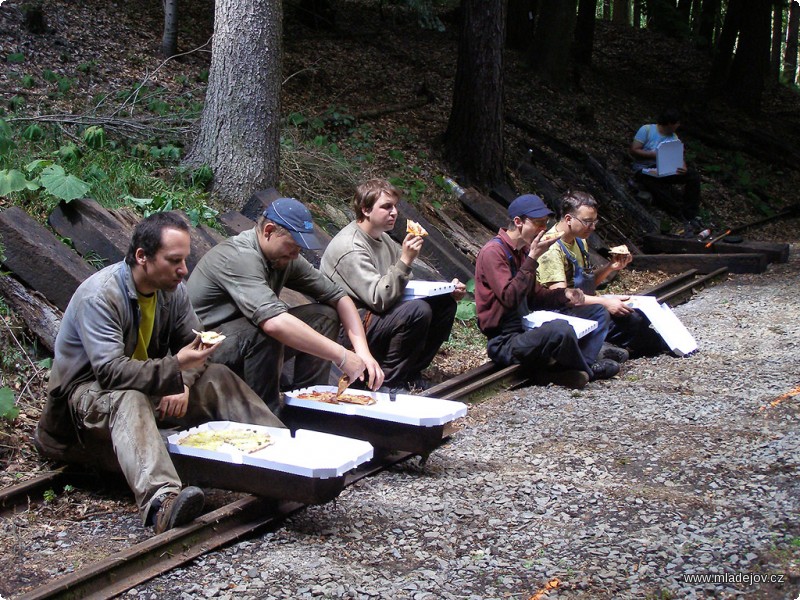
[
  {"x": 235, "y": 291},
  {"x": 506, "y": 290}
]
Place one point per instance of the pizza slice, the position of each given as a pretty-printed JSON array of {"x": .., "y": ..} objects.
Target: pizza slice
[
  {"x": 415, "y": 228},
  {"x": 620, "y": 250},
  {"x": 209, "y": 338}
]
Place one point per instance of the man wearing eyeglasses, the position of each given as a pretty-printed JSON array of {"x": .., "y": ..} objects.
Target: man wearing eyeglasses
[
  {"x": 235, "y": 290},
  {"x": 567, "y": 264},
  {"x": 506, "y": 290}
]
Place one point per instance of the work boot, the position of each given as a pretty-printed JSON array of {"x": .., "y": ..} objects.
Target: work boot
[
  {"x": 572, "y": 379},
  {"x": 615, "y": 353},
  {"x": 179, "y": 509},
  {"x": 605, "y": 368}
]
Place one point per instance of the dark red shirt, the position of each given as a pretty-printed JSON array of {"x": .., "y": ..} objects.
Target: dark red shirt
[{"x": 498, "y": 292}]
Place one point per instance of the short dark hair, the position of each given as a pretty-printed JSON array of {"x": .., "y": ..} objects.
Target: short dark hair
[
  {"x": 572, "y": 200},
  {"x": 368, "y": 193},
  {"x": 669, "y": 116},
  {"x": 148, "y": 234}
]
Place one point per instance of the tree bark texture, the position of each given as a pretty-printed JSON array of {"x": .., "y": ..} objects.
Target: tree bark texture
[
  {"x": 621, "y": 12},
  {"x": 723, "y": 55},
  {"x": 685, "y": 11},
  {"x": 637, "y": 14},
  {"x": 169, "y": 41},
  {"x": 750, "y": 66},
  {"x": 606, "y": 10},
  {"x": 708, "y": 18},
  {"x": 777, "y": 40},
  {"x": 550, "y": 56},
  {"x": 519, "y": 23},
  {"x": 790, "y": 54},
  {"x": 474, "y": 137},
  {"x": 240, "y": 128},
  {"x": 584, "y": 32}
]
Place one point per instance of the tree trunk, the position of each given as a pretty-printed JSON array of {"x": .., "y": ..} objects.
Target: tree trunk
[
  {"x": 474, "y": 137},
  {"x": 584, "y": 32},
  {"x": 723, "y": 55},
  {"x": 750, "y": 66},
  {"x": 708, "y": 18},
  {"x": 685, "y": 11},
  {"x": 777, "y": 39},
  {"x": 240, "y": 128},
  {"x": 169, "y": 41},
  {"x": 606, "y": 10},
  {"x": 520, "y": 23},
  {"x": 637, "y": 14},
  {"x": 621, "y": 12},
  {"x": 790, "y": 55},
  {"x": 550, "y": 56}
]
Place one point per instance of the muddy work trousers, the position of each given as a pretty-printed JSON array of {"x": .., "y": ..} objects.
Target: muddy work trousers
[
  {"x": 259, "y": 359},
  {"x": 128, "y": 420}
]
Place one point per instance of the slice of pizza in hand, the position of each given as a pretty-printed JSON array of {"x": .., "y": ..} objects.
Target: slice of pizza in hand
[
  {"x": 620, "y": 250},
  {"x": 415, "y": 228},
  {"x": 209, "y": 338}
]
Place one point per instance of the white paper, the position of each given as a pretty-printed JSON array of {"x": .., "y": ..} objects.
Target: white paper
[
  {"x": 416, "y": 288},
  {"x": 538, "y": 317},
  {"x": 666, "y": 323}
]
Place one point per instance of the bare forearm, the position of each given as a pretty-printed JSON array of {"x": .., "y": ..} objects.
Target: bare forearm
[{"x": 292, "y": 332}]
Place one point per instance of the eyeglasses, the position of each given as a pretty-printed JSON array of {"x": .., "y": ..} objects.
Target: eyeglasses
[{"x": 592, "y": 223}]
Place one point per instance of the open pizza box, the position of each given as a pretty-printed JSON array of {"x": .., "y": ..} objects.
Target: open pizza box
[
  {"x": 406, "y": 422},
  {"x": 308, "y": 467}
]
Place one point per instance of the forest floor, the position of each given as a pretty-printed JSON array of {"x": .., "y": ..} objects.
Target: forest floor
[{"x": 348, "y": 86}]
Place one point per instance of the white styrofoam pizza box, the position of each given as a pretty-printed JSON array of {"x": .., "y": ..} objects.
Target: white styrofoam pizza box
[
  {"x": 417, "y": 288},
  {"x": 308, "y": 453},
  {"x": 410, "y": 410}
]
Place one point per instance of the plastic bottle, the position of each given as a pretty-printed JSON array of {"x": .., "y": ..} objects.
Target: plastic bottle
[
  {"x": 457, "y": 189},
  {"x": 704, "y": 235}
]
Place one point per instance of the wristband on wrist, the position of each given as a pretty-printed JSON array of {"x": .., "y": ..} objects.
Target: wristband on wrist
[{"x": 344, "y": 359}]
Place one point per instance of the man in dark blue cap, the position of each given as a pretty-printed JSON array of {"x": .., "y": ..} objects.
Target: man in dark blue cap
[
  {"x": 506, "y": 290},
  {"x": 235, "y": 288}
]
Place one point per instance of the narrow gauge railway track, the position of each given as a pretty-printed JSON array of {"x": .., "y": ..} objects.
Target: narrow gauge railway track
[{"x": 250, "y": 515}]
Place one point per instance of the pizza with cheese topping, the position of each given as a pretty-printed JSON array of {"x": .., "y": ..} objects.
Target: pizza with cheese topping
[
  {"x": 415, "y": 228},
  {"x": 209, "y": 338},
  {"x": 244, "y": 440},
  {"x": 331, "y": 398}
]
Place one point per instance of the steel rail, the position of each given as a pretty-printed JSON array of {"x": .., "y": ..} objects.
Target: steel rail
[{"x": 161, "y": 553}]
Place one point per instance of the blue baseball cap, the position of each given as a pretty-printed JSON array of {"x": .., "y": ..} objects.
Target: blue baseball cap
[
  {"x": 528, "y": 205},
  {"x": 293, "y": 216}
]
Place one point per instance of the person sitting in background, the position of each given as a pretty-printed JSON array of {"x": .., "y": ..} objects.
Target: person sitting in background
[
  {"x": 374, "y": 270},
  {"x": 126, "y": 360},
  {"x": 235, "y": 288},
  {"x": 506, "y": 290},
  {"x": 566, "y": 264},
  {"x": 643, "y": 150}
]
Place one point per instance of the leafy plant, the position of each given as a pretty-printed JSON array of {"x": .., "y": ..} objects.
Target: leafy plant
[
  {"x": 8, "y": 410},
  {"x": 49, "y": 496},
  {"x": 33, "y": 132},
  {"x": 94, "y": 137},
  {"x": 466, "y": 310},
  {"x": 16, "y": 57}
]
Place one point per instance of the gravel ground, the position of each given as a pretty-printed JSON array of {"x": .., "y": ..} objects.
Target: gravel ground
[{"x": 620, "y": 490}]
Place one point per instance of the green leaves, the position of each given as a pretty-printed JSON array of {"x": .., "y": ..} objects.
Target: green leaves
[
  {"x": 94, "y": 137},
  {"x": 8, "y": 410},
  {"x": 66, "y": 187},
  {"x": 12, "y": 180}
]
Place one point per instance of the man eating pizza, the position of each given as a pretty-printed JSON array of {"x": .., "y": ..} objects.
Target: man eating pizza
[{"x": 374, "y": 270}]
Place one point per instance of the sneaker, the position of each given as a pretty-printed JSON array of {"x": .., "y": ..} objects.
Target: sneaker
[
  {"x": 615, "y": 353},
  {"x": 570, "y": 378},
  {"x": 604, "y": 368},
  {"x": 179, "y": 509}
]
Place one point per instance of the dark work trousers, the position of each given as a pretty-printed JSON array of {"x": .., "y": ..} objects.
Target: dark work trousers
[
  {"x": 405, "y": 339},
  {"x": 592, "y": 342},
  {"x": 633, "y": 332},
  {"x": 536, "y": 348},
  {"x": 685, "y": 207},
  {"x": 259, "y": 359}
]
